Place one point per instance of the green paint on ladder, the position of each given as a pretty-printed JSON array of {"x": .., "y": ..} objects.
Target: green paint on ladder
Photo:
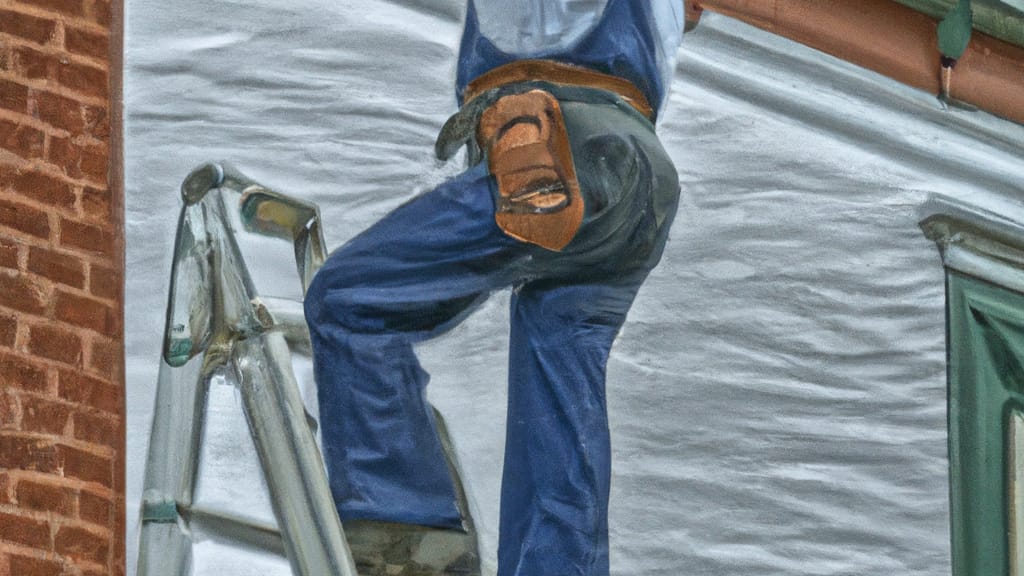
[{"x": 165, "y": 511}]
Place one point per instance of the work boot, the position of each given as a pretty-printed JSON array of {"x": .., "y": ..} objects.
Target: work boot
[{"x": 390, "y": 549}]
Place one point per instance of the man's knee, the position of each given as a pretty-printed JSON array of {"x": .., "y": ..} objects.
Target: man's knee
[{"x": 332, "y": 305}]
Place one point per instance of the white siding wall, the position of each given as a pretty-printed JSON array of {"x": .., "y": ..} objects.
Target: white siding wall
[{"x": 778, "y": 395}]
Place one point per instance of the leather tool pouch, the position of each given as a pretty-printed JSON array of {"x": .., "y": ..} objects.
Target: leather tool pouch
[{"x": 527, "y": 150}]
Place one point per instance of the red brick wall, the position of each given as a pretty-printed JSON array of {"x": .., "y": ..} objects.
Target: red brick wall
[{"x": 61, "y": 276}]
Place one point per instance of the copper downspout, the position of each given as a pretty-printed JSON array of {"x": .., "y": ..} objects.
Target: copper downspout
[{"x": 892, "y": 40}]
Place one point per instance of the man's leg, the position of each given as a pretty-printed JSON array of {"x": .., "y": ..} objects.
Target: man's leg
[
  {"x": 554, "y": 501},
  {"x": 412, "y": 275}
]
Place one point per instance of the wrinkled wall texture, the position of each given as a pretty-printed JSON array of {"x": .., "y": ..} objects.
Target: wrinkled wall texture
[
  {"x": 777, "y": 397},
  {"x": 61, "y": 336}
]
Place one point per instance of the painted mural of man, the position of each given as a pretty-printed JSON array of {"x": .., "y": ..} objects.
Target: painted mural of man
[{"x": 568, "y": 199}]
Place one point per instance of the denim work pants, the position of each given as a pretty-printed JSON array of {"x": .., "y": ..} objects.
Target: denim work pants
[{"x": 420, "y": 270}]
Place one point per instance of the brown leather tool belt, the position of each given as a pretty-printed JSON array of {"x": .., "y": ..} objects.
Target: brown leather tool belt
[
  {"x": 559, "y": 74},
  {"x": 512, "y": 120},
  {"x": 528, "y": 154}
]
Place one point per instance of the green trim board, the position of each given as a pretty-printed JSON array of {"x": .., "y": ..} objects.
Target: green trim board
[
  {"x": 983, "y": 253},
  {"x": 986, "y": 397},
  {"x": 977, "y": 242},
  {"x": 1016, "y": 493},
  {"x": 1002, "y": 19}
]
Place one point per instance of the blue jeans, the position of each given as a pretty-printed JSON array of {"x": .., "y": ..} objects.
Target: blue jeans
[{"x": 422, "y": 269}]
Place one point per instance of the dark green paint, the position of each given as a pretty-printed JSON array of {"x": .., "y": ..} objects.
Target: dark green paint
[
  {"x": 160, "y": 512},
  {"x": 995, "y": 18},
  {"x": 986, "y": 385},
  {"x": 954, "y": 31}
]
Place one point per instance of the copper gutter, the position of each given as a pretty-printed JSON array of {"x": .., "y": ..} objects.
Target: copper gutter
[{"x": 891, "y": 39}]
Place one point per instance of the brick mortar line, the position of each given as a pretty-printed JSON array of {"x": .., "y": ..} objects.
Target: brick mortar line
[
  {"x": 54, "y": 50},
  {"x": 47, "y": 320},
  {"x": 18, "y": 414},
  {"x": 53, "y": 556},
  {"x": 20, "y": 256},
  {"x": 6, "y": 156},
  {"x": 54, "y": 480},
  {"x": 60, "y": 481},
  {"x": 24, "y": 119},
  {"x": 66, "y": 20},
  {"x": 28, "y": 320},
  {"x": 82, "y": 292},
  {"x": 20, "y": 337},
  {"x": 23, "y": 237},
  {"x": 46, "y": 14},
  {"x": 33, "y": 122},
  {"x": 23, "y": 253},
  {"x": 34, "y": 553},
  {"x": 62, "y": 250},
  {"x": 52, "y": 387},
  {"x": 29, "y": 240},
  {"x": 84, "y": 334},
  {"x": 74, "y": 491},
  {"x": 45, "y": 363},
  {"x": 84, "y": 407},
  {"x": 51, "y": 481},
  {"x": 57, "y": 520},
  {"x": 55, "y": 212},
  {"x": 88, "y": 447},
  {"x": 87, "y": 257},
  {"x": 14, "y": 196},
  {"x": 45, "y": 167},
  {"x": 90, "y": 410},
  {"x": 62, "y": 90},
  {"x": 73, "y": 328},
  {"x": 54, "y": 220},
  {"x": 47, "y": 170}
]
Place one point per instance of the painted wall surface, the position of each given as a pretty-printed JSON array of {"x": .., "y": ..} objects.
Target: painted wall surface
[{"x": 777, "y": 396}]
